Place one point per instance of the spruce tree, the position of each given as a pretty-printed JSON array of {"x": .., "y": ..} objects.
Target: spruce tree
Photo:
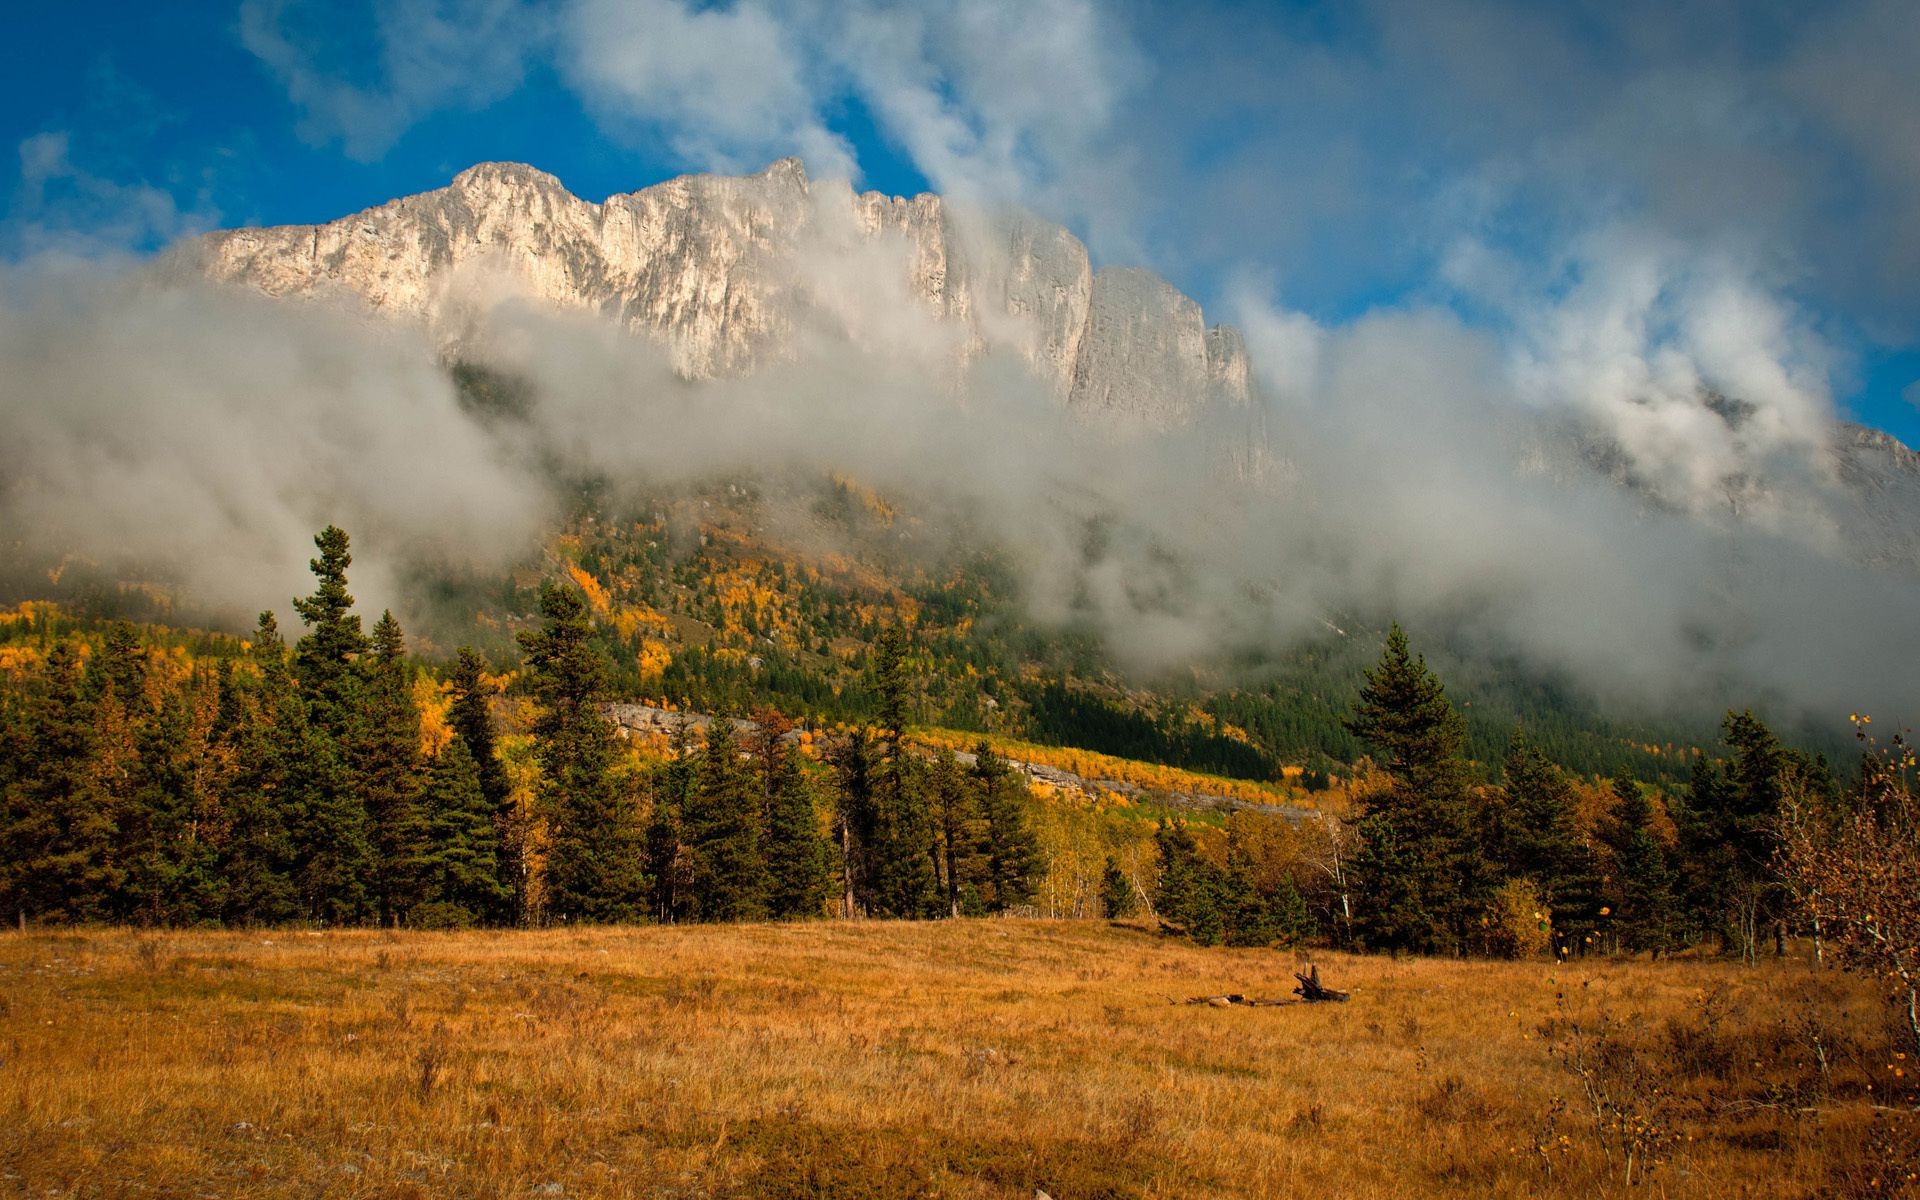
[
  {"x": 57, "y": 838},
  {"x": 1532, "y": 835},
  {"x": 470, "y": 714},
  {"x": 1644, "y": 905},
  {"x": 334, "y": 859},
  {"x": 257, "y": 859},
  {"x": 722, "y": 823},
  {"x": 797, "y": 869},
  {"x": 323, "y": 658},
  {"x": 594, "y": 866},
  {"x": 387, "y": 761},
  {"x": 1425, "y": 811},
  {"x": 960, "y": 833},
  {"x": 1189, "y": 893},
  {"x": 1014, "y": 867},
  {"x": 855, "y": 820},
  {"x": 458, "y": 869},
  {"x": 664, "y": 839},
  {"x": 1729, "y": 832}
]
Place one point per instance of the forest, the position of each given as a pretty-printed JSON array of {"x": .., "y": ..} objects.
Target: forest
[{"x": 154, "y": 777}]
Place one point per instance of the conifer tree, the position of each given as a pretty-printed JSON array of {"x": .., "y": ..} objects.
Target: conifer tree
[
  {"x": 470, "y": 714},
  {"x": 665, "y": 847},
  {"x": 257, "y": 859},
  {"x": 1644, "y": 905},
  {"x": 56, "y": 834},
  {"x": 1729, "y": 828},
  {"x": 798, "y": 877},
  {"x": 1425, "y": 812},
  {"x": 323, "y": 658},
  {"x": 960, "y": 834},
  {"x": 1014, "y": 867},
  {"x": 387, "y": 762},
  {"x": 594, "y": 867},
  {"x": 458, "y": 869},
  {"x": 855, "y": 820},
  {"x": 1189, "y": 894},
  {"x": 722, "y": 824},
  {"x": 1532, "y": 835},
  {"x": 333, "y": 857}
]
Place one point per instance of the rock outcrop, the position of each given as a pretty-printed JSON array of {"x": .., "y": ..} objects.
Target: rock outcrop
[{"x": 721, "y": 269}]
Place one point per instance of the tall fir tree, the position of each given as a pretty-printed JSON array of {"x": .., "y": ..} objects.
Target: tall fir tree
[
  {"x": 386, "y": 759},
  {"x": 334, "y": 857},
  {"x": 458, "y": 869},
  {"x": 1645, "y": 909},
  {"x": 257, "y": 857},
  {"x": 57, "y": 837},
  {"x": 1729, "y": 826},
  {"x": 594, "y": 862},
  {"x": 664, "y": 840},
  {"x": 1531, "y": 833},
  {"x": 1425, "y": 810},
  {"x": 798, "y": 875},
  {"x": 722, "y": 824},
  {"x": 470, "y": 715},
  {"x": 960, "y": 836},
  {"x": 1014, "y": 866}
]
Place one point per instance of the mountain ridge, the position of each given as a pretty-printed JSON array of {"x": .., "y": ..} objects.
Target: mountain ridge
[{"x": 715, "y": 267}]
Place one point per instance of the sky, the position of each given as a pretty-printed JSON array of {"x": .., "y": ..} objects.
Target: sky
[{"x": 1526, "y": 168}]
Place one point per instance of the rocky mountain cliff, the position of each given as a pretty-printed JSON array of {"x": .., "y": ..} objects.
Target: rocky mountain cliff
[{"x": 724, "y": 269}]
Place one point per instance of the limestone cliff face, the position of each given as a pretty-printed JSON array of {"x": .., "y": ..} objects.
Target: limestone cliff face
[{"x": 721, "y": 269}]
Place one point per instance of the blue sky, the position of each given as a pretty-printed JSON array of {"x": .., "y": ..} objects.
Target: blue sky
[{"x": 1495, "y": 159}]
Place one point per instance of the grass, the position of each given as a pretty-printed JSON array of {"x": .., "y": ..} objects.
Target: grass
[{"x": 963, "y": 1059}]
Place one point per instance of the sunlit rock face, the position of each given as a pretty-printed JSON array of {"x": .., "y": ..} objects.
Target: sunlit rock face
[{"x": 725, "y": 270}]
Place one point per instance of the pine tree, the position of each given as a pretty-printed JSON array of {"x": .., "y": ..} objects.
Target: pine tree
[
  {"x": 471, "y": 716},
  {"x": 1425, "y": 812},
  {"x": 855, "y": 820},
  {"x": 458, "y": 870},
  {"x": 1189, "y": 894},
  {"x": 1729, "y": 832},
  {"x": 1014, "y": 868},
  {"x": 323, "y": 658},
  {"x": 387, "y": 762},
  {"x": 1392, "y": 915},
  {"x": 797, "y": 870},
  {"x": 667, "y": 863},
  {"x": 57, "y": 838},
  {"x": 722, "y": 825},
  {"x": 900, "y": 851},
  {"x": 960, "y": 832},
  {"x": 333, "y": 856},
  {"x": 257, "y": 860},
  {"x": 594, "y": 865},
  {"x": 1644, "y": 905},
  {"x": 1532, "y": 835}
]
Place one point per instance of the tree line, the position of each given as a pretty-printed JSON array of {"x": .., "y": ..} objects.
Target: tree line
[
  {"x": 301, "y": 784},
  {"x": 1439, "y": 864}
]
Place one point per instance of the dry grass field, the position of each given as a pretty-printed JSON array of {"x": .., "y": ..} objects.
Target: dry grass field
[{"x": 964, "y": 1059}]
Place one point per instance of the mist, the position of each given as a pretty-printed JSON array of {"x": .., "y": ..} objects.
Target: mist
[{"x": 1412, "y": 467}]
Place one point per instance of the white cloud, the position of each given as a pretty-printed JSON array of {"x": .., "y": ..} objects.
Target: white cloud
[
  {"x": 431, "y": 55},
  {"x": 726, "y": 88}
]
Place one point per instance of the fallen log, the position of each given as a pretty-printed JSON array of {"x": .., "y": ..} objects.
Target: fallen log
[
  {"x": 1230, "y": 999},
  {"x": 1312, "y": 991}
]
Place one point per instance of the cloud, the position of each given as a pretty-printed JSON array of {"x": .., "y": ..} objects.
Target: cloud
[
  {"x": 425, "y": 56},
  {"x": 64, "y": 209}
]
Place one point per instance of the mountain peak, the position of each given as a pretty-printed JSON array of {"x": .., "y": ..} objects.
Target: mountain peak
[{"x": 716, "y": 267}]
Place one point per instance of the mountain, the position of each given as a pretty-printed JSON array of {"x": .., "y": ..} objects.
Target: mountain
[{"x": 726, "y": 270}]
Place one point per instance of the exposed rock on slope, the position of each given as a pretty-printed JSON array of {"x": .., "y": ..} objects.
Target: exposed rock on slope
[{"x": 723, "y": 268}]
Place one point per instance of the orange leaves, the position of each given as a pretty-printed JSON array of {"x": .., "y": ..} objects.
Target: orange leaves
[{"x": 590, "y": 587}]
